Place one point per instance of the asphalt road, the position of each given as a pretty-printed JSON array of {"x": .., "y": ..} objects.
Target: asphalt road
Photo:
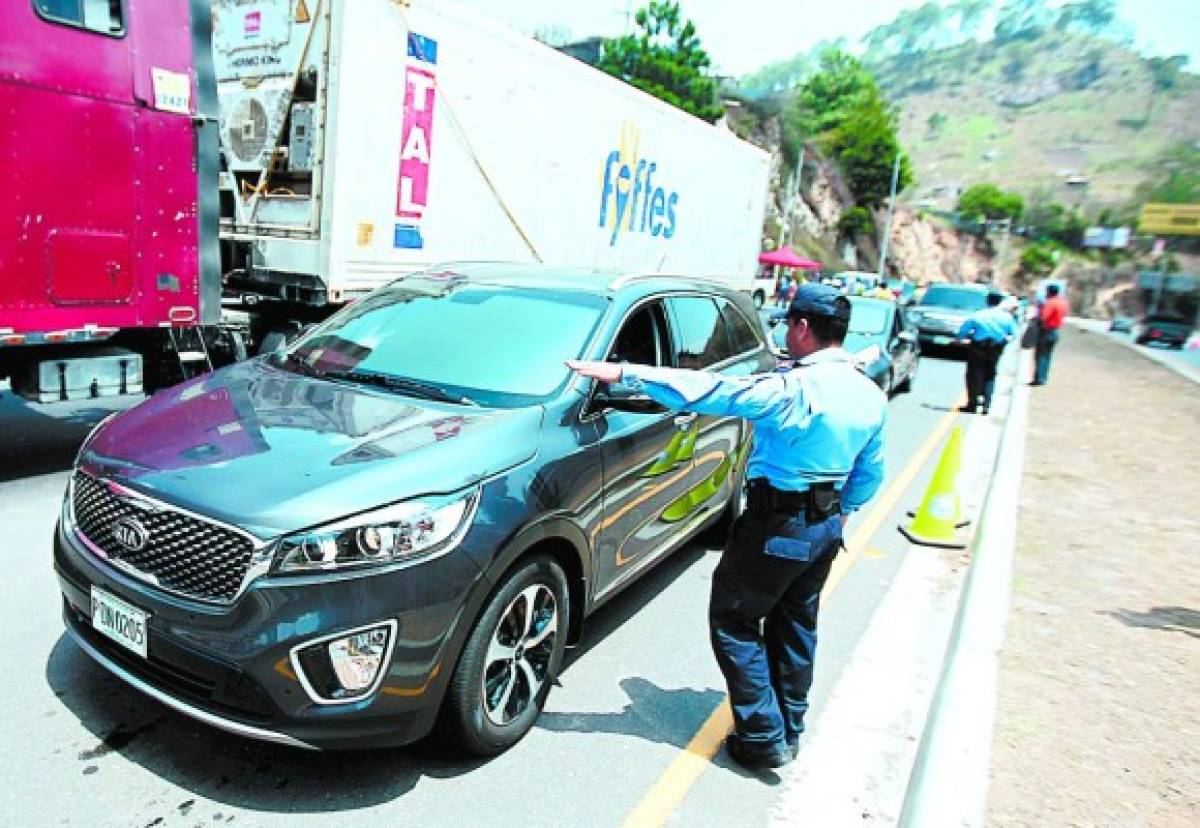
[{"x": 81, "y": 748}]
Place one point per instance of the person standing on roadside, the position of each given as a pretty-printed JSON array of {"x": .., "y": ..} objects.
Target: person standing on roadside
[
  {"x": 784, "y": 290},
  {"x": 817, "y": 457},
  {"x": 987, "y": 332},
  {"x": 1050, "y": 317}
]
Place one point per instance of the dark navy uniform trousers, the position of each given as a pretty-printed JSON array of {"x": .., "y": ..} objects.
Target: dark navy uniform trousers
[{"x": 763, "y": 618}]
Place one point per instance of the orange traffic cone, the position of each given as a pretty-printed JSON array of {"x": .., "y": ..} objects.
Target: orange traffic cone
[{"x": 938, "y": 520}]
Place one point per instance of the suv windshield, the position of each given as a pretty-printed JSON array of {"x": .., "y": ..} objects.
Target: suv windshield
[
  {"x": 956, "y": 298},
  {"x": 489, "y": 344}
]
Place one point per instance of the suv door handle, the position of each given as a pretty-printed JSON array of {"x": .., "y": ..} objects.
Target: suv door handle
[{"x": 684, "y": 421}]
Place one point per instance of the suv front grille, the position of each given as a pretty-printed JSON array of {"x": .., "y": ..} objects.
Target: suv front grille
[{"x": 181, "y": 553}]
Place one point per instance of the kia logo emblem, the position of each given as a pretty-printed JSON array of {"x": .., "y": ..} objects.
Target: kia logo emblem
[{"x": 130, "y": 534}]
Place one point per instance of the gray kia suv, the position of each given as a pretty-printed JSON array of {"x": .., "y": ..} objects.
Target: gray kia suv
[{"x": 403, "y": 518}]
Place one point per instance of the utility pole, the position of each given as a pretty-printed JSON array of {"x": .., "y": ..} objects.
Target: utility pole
[
  {"x": 1003, "y": 248},
  {"x": 887, "y": 232}
]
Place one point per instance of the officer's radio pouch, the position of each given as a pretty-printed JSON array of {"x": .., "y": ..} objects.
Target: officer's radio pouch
[{"x": 824, "y": 502}]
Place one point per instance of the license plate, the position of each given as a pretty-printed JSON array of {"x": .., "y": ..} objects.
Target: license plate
[
  {"x": 121, "y": 622},
  {"x": 942, "y": 340}
]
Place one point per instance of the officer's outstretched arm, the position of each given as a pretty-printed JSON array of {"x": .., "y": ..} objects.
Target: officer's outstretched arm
[
  {"x": 756, "y": 397},
  {"x": 866, "y": 476}
]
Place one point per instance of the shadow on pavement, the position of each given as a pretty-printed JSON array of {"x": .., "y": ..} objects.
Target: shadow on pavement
[
  {"x": 40, "y": 439},
  {"x": 259, "y": 776},
  {"x": 1171, "y": 619},
  {"x": 655, "y": 714},
  {"x": 239, "y": 772},
  {"x": 685, "y": 708}
]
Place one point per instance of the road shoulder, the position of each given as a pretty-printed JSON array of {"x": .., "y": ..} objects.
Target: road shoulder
[{"x": 1097, "y": 709}]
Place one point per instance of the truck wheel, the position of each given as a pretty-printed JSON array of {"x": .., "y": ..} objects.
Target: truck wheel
[
  {"x": 760, "y": 298},
  {"x": 510, "y": 660}
]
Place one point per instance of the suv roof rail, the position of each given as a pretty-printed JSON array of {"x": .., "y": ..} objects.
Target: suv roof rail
[{"x": 628, "y": 278}]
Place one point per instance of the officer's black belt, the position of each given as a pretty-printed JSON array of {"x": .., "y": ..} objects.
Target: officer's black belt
[{"x": 818, "y": 502}]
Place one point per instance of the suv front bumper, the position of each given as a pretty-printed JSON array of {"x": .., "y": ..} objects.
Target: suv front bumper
[{"x": 230, "y": 666}]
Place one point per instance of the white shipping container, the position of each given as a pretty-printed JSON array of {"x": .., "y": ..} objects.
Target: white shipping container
[{"x": 443, "y": 136}]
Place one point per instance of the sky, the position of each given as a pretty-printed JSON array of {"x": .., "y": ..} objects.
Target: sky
[{"x": 744, "y": 35}]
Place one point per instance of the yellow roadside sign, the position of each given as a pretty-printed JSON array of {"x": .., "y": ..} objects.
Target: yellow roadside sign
[{"x": 1170, "y": 219}]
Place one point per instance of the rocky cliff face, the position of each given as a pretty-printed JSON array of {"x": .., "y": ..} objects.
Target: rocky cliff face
[
  {"x": 923, "y": 250},
  {"x": 920, "y": 249}
]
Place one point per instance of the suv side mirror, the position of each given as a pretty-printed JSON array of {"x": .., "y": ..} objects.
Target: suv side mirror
[{"x": 619, "y": 398}]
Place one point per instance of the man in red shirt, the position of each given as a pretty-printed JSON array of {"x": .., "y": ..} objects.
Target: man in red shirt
[{"x": 1053, "y": 312}]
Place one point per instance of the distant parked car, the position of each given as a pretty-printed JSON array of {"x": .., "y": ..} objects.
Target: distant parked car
[
  {"x": 879, "y": 335},
  {"x": 1121, "y": 324},
  {"x": 1162, "y": 329}
]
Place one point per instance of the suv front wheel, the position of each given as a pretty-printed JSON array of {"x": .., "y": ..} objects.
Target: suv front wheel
[{"x": 510, "y": 660}]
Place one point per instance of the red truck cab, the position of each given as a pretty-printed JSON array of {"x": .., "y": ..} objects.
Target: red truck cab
[{"x": 108, "y": 165}]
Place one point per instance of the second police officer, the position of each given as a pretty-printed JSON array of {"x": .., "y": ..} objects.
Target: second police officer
[
  {"x": 817, "y": 458},
  {"x": 987, "y": 331}
]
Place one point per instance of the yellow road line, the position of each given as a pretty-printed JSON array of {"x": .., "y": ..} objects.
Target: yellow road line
[{"x": 669, "y": 790}]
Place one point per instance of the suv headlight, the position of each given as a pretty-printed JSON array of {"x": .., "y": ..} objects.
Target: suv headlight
[
  {"x": 409, "y": 530},
  {"x": 915, "y": 316}
]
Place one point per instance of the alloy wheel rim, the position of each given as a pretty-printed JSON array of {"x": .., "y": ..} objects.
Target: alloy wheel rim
[{"x": 517, "y": 662}]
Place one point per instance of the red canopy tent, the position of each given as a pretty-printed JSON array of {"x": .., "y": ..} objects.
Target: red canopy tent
[{"x": 786, "y": 257}]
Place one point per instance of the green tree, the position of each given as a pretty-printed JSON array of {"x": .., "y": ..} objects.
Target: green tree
[
  {"x": 1178, "y": 178},
  {"x": 1022, "y": 19},
  {"x": 866, "y": 145},
  {"x": 1164, "y": 74},
  {"x": 920, "y": 29},
  {"x": 1165, "y": 71},
  {"x": 1038, "y": 259},
  {"x": 777, "y": 77},
  {"x": 1019, "y": 56},
  {"x": 970, "y": 15},
  {"x": 1049, "y": 221},
  {"x": 842, "y": 106},
  {"x": 825, "y": 99},
  {"x": 987, "y": 201},
  {"x": 857, "y": 221},
  {"x": 665, "y": 59},
  {"x": 1092, "y": 16}
]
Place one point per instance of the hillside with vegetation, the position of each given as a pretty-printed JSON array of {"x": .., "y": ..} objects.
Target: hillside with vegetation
[
  {"x": 1052, "y": 103},
  {"x": 1016, "y": 125}
]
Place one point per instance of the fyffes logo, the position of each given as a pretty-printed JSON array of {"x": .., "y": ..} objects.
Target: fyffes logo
[{"x": 630, "y": 199}]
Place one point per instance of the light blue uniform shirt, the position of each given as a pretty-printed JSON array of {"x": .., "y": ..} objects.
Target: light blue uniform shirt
[
  {"x": 822, "y": 421},
  {"x": 989, "y": 325}
]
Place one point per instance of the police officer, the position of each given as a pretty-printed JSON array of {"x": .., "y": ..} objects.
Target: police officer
[
  {"x": 817, "y": 457},
  {"x": 987, "y": 332}
]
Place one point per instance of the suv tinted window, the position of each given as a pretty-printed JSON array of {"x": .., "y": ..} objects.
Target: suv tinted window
[
  {"x": 701, "y": 337},
  {"x": 102, "y": 16},
  {"x": 643, "y": 338},
  {"x": 741, "y": 335}
]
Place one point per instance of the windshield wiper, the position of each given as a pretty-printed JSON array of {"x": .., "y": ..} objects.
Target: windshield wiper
[{"x": 405, "y": 385}]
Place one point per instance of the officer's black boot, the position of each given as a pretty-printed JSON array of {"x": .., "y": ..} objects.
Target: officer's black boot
[{"x": 753, "y": 758}]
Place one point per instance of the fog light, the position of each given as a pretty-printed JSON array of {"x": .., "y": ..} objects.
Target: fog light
[{"x": 358, "y": 658}]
